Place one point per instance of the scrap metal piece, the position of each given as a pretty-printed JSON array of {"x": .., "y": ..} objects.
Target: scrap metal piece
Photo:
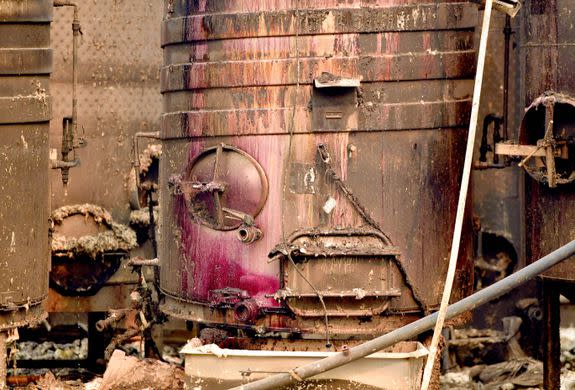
[
  {"x": 227, "y": 297},
  {"x": 509, "y": 7}
]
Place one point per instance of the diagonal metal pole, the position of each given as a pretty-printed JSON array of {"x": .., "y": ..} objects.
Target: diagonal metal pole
[
  {"x": 415, "y": 328},
  {"x": 463, "y": 190}
]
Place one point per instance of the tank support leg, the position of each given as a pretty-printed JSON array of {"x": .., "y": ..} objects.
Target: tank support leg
[
  {"x": 551, "y": 344},
  {"x": 97, "y": 342},
  {"x": 3, "y": 367}
]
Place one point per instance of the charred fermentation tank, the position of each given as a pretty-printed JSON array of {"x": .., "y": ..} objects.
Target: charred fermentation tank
[
  {"x": 549, "y": 127},
  {"x": 25, "y": 109},
  {"x": 546, "y": 151},
  {"x": 311, "y": 156},
  {"x": 117, "y": 98}
]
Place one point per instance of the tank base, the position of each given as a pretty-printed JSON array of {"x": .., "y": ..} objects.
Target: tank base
[
  {"x": 285, "y": 325},
  {"x": 22, "y": 316}
]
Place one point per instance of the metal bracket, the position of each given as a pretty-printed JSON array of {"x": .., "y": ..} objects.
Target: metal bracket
[{"x": 547, "y": 149}]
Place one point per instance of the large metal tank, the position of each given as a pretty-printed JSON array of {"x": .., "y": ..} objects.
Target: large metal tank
[
  {"x": 25, "y": 109},
  {"x": 118, "y": 97},
  {"x": 548, "y": 123},
  {"x": 323, "y": 135}
]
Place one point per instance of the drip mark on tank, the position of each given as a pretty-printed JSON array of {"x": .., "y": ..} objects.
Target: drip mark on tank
[
  {"x": 24, "y": 143},
  {"x": 13, "y": 243}
]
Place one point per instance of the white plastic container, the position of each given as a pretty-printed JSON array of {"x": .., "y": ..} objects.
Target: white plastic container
[{"x": 228, "y": 367}]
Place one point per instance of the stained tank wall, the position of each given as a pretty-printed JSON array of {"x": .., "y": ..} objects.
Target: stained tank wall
[
  {"x": 231, "y": 76},
  {"x": 25, "y": 110},
  {"x": 548, "y": 53}
]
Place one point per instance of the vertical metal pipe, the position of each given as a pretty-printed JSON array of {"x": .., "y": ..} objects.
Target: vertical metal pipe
[
  {"x": 507, "y": 33},
  {"x": 551, "y": 342},
  {"x": 75, "y": 38},
  {"x": 68, "y": 147}
]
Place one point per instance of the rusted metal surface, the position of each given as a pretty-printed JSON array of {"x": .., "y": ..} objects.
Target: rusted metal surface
[
  {"x": 498, "y": 193},
  {"x": 110, "y": 296},
  {"x": 25, "y": 66},
  {"x": 355, "y": 270},
  {"x": 87, "y": 248},
  {"x": 118, "y": 64},
  {"x": 396, "y": 142},
  {"x": 549, "y": 56},
  {"x": 551, "y": 339},
  {"x": 118, "y": 97}
]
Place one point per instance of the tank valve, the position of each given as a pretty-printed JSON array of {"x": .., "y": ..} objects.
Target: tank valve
[
  {"x": 247, "y": 311},
  {"x": 248, "y": 234}
]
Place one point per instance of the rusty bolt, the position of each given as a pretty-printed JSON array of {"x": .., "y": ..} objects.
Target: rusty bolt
[{"x": 351, "y": 150}]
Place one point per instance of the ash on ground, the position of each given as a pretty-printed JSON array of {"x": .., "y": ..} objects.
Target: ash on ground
[
  {"x": 48, "y": 350},
  {"x": 123, "y": 371},
  {"x": 523, "y": 373}
]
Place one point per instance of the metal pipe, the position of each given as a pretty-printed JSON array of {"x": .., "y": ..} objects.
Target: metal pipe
[
  {"x": 22, "y": 380},
  {"x": 76, "y": 31},
  {"x": 415, "y": 328},
  {"x": 507, "y": 31},
  {"x": 59, "y": 164},
  {"x": 64, "y": 3},
  {"x": 114, "y": 317},
  {"x": 68, "y": 147},
  {"x": 147, "y": 134},
  {"x": 140, "y": 262},
  {"x": 119, "y": 340}
]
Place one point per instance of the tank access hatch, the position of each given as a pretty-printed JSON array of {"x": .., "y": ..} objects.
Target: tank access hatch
[
  {"x": 547, "y": 140},
  {"x": 351, "y": 269}
]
